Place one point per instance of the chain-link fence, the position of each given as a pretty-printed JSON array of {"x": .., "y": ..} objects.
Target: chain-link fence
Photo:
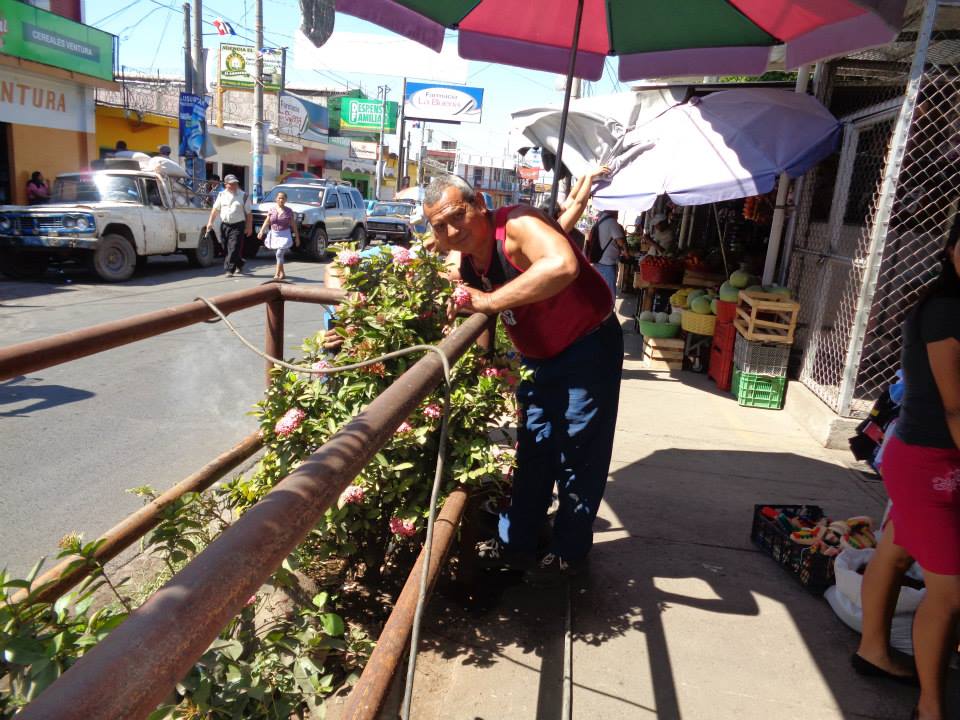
[{"x": 871, "y": 220}]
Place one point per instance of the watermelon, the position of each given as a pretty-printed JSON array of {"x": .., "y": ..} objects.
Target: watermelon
[
  {"x": 755, "y": 288},
  {"x": 694, "y": 294},
  {"x": 740, "y": 279},
  {"x": 713, "y": 306},
  {"x": 728, "y": 293},
  {"x": 701, "y": 305},
  {"x": 675, "y": 318},
  {"x": 778, "y": 290}
]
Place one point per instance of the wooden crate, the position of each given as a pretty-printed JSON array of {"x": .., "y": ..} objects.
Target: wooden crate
[
  {"x": 663, "y": 354},
  {"x": 766, "y": 317}
]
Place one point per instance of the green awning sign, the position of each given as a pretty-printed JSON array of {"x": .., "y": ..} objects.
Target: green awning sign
[
  {"x": 44, "y": 37},
  {"x": 359, "y": 115}
]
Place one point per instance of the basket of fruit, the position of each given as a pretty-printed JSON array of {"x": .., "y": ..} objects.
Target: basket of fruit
[
  {"x": 658, "y": 325},
  {"x": 661, "y": 270}
]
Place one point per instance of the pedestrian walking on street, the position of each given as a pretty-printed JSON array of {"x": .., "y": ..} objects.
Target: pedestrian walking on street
[
  {"x": 278, "y": 226},
  {"x": 921, "y": 471},
  {"x": 559, "y": 314},
  {"x": 233, "y": 206}
]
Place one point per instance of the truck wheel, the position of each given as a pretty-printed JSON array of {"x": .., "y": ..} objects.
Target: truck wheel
[
  {"x": 202, "y": 255},
  {"x": 360, "y": 236},
  {"x": 114, "y": 258},
  {"x": 317, "y": 244},
  {"x": 23, "y": 266}
]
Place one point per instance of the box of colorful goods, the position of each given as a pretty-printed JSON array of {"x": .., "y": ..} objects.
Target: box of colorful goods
[{"x": 805, "y": 542}]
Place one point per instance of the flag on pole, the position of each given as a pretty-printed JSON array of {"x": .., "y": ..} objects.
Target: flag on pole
[{"x": 223, "y": 27}]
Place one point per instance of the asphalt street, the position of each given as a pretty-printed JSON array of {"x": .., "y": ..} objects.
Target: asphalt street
[{"x": 75, "y": 437}]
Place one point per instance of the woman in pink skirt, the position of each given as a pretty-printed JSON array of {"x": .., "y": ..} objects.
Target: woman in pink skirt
[
  {"x": 283, "y": 232},
  {"x": 921, "y": 471}
]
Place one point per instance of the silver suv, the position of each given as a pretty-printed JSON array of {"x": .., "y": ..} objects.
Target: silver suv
[{"x": 326, "y": 211}]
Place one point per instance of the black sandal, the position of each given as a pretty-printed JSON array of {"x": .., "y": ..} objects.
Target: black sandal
[{"x": 868, "y": 669}]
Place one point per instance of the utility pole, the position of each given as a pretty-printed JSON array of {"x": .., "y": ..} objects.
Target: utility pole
[
  {"x": 401, "y": 164},
  {"x": 383, "y": 121},
  {"x": 200, "y": 74},
  {"x": 187, "y": 63},
  {"x": 257, "y": 185}
]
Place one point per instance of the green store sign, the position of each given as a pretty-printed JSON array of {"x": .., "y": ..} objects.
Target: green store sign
[
  {"x": 359, "y": 115},
  {"x": 44, "y": 37}
]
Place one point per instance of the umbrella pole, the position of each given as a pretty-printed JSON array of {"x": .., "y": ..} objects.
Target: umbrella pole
[{"x": 566, "y": 108}]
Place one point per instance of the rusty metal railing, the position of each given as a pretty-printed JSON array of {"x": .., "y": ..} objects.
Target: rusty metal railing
[
  {"x": 28, "y": 357},
  {"x": 134, "y": 669}
]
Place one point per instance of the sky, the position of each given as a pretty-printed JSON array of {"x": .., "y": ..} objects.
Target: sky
[{"x": 151, "y": 40}]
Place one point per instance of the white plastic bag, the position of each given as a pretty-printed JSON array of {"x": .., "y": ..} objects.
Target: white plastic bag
[
  {"x": 850, "y": 582},
  {"x": 901, "y": 629}
]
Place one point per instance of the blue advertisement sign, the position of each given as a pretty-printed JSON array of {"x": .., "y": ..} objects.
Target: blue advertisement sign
[
  {"x": 442, "y": 103},
  {"x": 193, "y": 124}
]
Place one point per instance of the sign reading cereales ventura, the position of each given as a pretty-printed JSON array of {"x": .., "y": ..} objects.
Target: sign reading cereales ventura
[
  {"x": 44, "y": 37},
  {"x": 442, "y": 103}
]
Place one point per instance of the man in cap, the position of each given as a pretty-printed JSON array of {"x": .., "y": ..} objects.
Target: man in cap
[
  {"x": 233, "y": 206},
  {"x": 164, "y": 151}
]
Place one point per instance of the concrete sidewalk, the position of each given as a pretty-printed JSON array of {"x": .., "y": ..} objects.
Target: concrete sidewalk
[{"x": 680, "y": 615}]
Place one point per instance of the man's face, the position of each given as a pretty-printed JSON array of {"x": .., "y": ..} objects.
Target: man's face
[
  {"x": 458, "y": 224},
  {"x": 232, "y": 186}
]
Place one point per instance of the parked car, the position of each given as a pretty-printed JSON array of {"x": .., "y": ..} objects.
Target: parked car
[
  {"x": 370, "y": 204},
  {"x": 392, "y": 221},
  {"x": 326, "y": 211},
  {"x": 113, "y": 219}
]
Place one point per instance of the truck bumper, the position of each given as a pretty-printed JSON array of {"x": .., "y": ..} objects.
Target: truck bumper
[{"x": 47, "y": 242}]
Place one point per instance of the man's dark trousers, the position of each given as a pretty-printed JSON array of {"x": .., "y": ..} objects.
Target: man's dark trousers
[
  {"x": 569, "y": 417},
  {"x": 233, "y": 235}
]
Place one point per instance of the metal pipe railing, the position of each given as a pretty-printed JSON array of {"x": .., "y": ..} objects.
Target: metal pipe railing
[
  {"x": 16, "y": 360},
  {"x": 132, "y": 670},
  {"x": 366, "y": 698}
]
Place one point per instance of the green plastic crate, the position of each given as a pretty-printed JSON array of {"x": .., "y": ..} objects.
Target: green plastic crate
[{"x": 759, "y": 391}]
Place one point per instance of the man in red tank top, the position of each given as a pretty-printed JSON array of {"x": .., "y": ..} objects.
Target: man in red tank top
[{"x": 559, "y": 314}]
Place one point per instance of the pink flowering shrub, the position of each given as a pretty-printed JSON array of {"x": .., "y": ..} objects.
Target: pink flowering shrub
[
  {"x": 349, "y": 258},
  {"x": 352, "y": 495},
  {"x": 402, "y": 256},
  {"x": 405, "y": 297},
  {"x": 403, "y": 528},
  {"x": 289, "y": 422}
]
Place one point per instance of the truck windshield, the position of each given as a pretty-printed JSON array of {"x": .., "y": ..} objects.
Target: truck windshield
[
  {"x": 398, "y": 209},
  {"x": 96, "y": 188},
  {"x": 299, "y": 195}
]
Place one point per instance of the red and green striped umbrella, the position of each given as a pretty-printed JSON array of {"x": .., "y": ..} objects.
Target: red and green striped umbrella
[{"x": 653, "y": 38}]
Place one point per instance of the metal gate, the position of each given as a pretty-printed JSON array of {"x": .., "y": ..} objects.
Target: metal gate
[{"x": 871, "y": 220}]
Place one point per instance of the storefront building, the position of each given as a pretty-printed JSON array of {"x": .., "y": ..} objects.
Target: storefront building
[
  {"x": 141, "y": 131},
  {"x": 49, "y": 68}
]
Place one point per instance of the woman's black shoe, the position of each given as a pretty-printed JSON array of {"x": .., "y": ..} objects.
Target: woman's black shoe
[{"x": 868, "y": 669}]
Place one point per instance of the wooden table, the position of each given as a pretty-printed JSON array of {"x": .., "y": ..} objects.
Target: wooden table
[{"x": 646, "y": 298}]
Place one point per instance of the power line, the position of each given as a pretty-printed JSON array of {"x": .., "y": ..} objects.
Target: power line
[
  {"x": 163, "y": 34},
  {"x": 115, "y": 13}
]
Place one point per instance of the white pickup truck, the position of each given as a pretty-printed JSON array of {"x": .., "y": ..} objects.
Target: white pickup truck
[{"x": 113, "y": 219}]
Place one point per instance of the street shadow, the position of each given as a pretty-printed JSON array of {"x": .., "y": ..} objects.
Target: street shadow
[
  {"x": 675, "y": 582},
  {"x": 23, "y": 389}
]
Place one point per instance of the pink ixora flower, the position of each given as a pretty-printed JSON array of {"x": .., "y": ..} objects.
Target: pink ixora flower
[
  {"x": 461, "y": 296},
  {"x": 432, "y": 411},
  {"x": 348, "y": 258},
  {"x": 490, "y": 372},
  {"x": 289, "y": 422},
  {"x": 403, "y": 428},
  {"x": 353, "y": 495},
  {"x": 403, "y": 528},
  {"x": 321, "y": 365},
  {"x": 402, "y": 256}
]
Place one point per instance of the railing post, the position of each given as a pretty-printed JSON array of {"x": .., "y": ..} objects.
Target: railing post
[{"x": 274, "y": 344}]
